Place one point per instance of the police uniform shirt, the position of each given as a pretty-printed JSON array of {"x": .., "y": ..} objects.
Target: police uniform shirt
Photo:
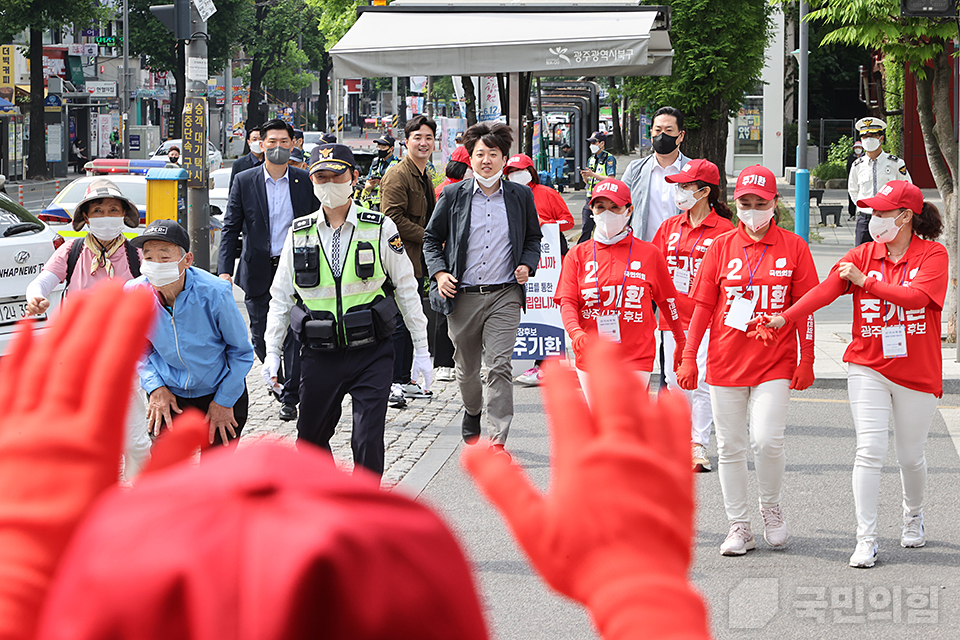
[
  {"x": 868, "y": 175},
  {"x": 393, "y": 257}
]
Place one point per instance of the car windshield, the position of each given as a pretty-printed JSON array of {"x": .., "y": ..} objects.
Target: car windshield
[
  {"x": 74, "y": 192},
  {"x": 12, "y": 214},
  {"x": 311, "y": 137},
  {"x": 165, "y": 147}
]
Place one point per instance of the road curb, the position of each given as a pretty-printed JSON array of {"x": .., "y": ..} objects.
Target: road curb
[{"x": 423, "y": 471}]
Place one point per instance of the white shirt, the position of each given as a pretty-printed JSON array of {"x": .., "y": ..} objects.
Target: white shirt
[
  {"x": 489, "y": 252},
  {"x": 868, "y": 175},
  {"x": 396, "y": 265},
  {"x": 662, "y": 205},
  {"x": 279, "y": 208}
]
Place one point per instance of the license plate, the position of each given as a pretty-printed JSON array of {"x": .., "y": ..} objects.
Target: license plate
[{"x": 10, "y": 312}]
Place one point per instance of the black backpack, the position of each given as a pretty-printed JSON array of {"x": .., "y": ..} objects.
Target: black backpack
[{"x": 132, "y": 259}]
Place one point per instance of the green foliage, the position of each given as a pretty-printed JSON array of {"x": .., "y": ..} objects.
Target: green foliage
[
  {"x": 336, "y": 17},
  {"x": 832, "y": 170},
  {"x": 718, "y": 53},
  {"x": 840, "y": 149},
  {"x": 17, "y": 15},
  {"x": 275, "y": 45}
]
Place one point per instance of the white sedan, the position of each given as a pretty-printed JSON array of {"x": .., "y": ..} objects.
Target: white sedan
[{"x": 214, "y": 157}]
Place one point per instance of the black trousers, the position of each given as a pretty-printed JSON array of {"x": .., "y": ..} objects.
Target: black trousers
[
  {"x": 257, "y": 309},
  {"x": 403, "y": 347},
  {"x": 863, "y": 229},
  {"x": 326, "y": 377},
  {"x": 240, "y": 411},
  {"x": 588, "y": 224},
  {"x": 440, "y": 344}
]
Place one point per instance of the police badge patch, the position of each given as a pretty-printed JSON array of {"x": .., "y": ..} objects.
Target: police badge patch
[{"x": 396, "y": 243}]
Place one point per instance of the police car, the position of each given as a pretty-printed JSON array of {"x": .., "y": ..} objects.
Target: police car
[
  {"x": 214, "y": 157},
  {"x": 26, "y": 243}
]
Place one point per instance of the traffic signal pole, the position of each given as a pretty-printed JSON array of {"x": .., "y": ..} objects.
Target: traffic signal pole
[{"x": 198, "y": 195}]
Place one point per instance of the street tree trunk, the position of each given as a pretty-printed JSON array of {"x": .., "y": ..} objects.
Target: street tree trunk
[
  {"x": 618, "y": 146},
  {"x": 933, "y": 105},
  {"x": 470, "y": 99},
  {"x": 322, "y": 105},
  {"x": 254, "y": 116},
  {"x": 180, "y": 77},
  {"x": 709, "y": 140},
  {"x": 37, "y": 159}
]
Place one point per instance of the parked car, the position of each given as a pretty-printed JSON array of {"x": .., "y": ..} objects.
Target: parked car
[
  {"x": 26, "y": 243},
  {"x": 310, "y": 140},
  {"x": 214, "y": 157}
]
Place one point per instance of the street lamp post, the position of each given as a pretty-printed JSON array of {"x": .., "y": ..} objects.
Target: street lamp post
[
  {"x": 802, "y": 193},
  {"x": 125, "y": 116}
]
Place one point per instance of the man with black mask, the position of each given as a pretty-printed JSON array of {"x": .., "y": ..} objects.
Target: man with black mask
[
  {"x": 652, "y": 196},
  {"x": 384, "y": 160}
]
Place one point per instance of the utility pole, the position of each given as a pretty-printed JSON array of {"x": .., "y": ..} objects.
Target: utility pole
[
  {"x": 125, "y": 116},
  {"x": 198, "y": 195}
]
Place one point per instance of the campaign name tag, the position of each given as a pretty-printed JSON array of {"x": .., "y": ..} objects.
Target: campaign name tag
[
  {"x": 741, "y": 310},
  {"x": 894, "y": 341},
  {"x": 681, "y": 280},
  {"x": 608, "y": 326}
]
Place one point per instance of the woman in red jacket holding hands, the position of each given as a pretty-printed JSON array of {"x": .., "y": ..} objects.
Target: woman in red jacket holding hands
[
  {"x": 898, "y": 283},
  {"x": 756, "y": 268},
  {"x": 607, "y": 286},
  {"x": 684, "y": 240}
]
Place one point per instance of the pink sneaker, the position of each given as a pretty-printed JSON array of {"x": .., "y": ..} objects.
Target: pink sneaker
[{"x": 531, "y": 377}]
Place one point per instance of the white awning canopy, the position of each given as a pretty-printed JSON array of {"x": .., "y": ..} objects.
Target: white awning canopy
[{"x": 453, "y": 43}]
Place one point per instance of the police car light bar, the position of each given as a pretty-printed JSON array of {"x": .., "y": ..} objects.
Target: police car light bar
[{"x": 131, "y": 167}]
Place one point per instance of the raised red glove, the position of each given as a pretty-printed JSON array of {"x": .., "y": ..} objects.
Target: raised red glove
[
  {"x": 594, "y": 546},
  {"x": 688, "y": 375},
  {"x": 769, "y": 337},
  {"x": 803, "y": 376},
  {"x": 579, "y": 345}
]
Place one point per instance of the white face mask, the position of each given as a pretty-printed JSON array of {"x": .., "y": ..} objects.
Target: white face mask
[
  {"x": 488, "y": 182},
  {"x": 594, "y": 148},
  {"x": 105, "y": 228},
  {"x": 871, "y": 144},
  {"x": 256, "y": 148},
  {"x": 160, "y": 274},
  {"x": 333, "y": 194},
  {"x": 520, "y": 177},
  {"x": 610, "y": 224},
  {"x": 685, "y": 200},
  {"x": 884, "y": 230},
  {"x": 755, "y": 219}
]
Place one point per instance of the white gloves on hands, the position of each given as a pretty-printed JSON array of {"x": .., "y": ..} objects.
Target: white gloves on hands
[
  {"x": 422, "y": 365},
  {"x": 269, "y": 371}
]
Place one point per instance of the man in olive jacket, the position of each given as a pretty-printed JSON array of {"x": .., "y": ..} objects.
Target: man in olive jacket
[{"x": 481, "y": 246}]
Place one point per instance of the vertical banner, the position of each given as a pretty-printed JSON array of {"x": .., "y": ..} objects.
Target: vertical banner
[
  {"x": 489, "y": 108},
  {"x": 194, "y": 151},
  {"x": 418, "y": 84},
  {"x": 104, "y": 126},
  {"x": 7, "y": 79},
  {"x": 54, "y": 143},
  {"x": 449, "y": 128},
  {"x": 540, "y": 334}
]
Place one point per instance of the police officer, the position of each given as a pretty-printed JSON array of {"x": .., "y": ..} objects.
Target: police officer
[
  {"x": 342, "y": 274},
  {"x": 871, "y": 171},
  {"x": 600, "y": 165},
  {"x": 370, "y": 197}
]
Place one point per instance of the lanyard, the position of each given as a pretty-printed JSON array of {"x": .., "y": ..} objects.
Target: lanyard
[
  {"x": 903, "y": 277},
  {"x": 754, "y": 270},
  {"x": 619, "y": 295},
  {"x": 692, "y": 249}
]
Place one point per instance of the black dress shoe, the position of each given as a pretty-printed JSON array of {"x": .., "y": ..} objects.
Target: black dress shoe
[
  {"x": 288, "y": 412},
  {"x": 470, "y": 428}
]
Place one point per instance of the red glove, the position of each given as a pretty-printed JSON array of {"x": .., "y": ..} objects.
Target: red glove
[
  {"x": 687, "y": 374},
  {"x": 803, "y": 376},
  {"x": 594, "y": 546},
  {"x": 678, "y": 351},
  {"x": 579, "y": 345},
  {"x": 762, "y": 332}
]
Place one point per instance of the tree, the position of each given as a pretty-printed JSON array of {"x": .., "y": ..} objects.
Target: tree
[
  {"x": 38, "y": 16},
  {"x": 921, "y": 44},
  {"x": 718, "y": 54}
]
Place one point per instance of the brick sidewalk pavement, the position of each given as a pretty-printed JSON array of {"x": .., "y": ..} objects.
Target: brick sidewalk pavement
[{"x": 409, "y": 431}]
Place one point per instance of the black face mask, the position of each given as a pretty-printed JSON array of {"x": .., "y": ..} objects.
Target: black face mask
[
  {"x": 664, "y": 144},
  {"x": 383, "y": 153}
]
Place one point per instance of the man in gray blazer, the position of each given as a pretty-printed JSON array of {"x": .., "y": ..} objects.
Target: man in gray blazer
[
  {"x": 481, "y": 246},
  {"x": 652, "y": 196}
]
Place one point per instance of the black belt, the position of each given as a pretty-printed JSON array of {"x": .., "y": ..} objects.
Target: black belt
[{"x": 486, "y": 288}]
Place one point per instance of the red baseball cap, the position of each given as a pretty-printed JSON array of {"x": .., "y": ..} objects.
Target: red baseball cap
[
  {"x": 699, "y": 169},
  {"x": 520, "y": 161},
  {"x": 612, "y": 189},
  {"x": 757, "y": 180},
  {"x": 460, "y": 155},
  {"x": 895, "y": 194}
]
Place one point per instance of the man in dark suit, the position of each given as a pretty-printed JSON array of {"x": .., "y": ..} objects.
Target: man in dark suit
[
  {"x": 263, "y": 205},
  {"x": 481, "y": 246},
  {"x": 252, "y": 159}
]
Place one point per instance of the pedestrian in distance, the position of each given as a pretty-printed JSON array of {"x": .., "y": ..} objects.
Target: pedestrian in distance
[
  {"x": 684, "y": 240},
  {"x": 173, "y": 155},
  {"x": 252, "y": 159},
  {"x": 856, "y": 154},
  {"x": 757, "y": 268},
  {"x": 297, "y": 159},
  {"x": 481, "y": 246},
  {"x": 342, "y": 279},
  {"x": 103, "y": 253},
  {"x": 608, "y": 286},
  {"x": 370, "y": 197},
  {"x": 898, "y": 282},
  {"x": 871, "y": 171},
  {"x": 600, "y": 165},
  {"x": 199, "y": 353}
]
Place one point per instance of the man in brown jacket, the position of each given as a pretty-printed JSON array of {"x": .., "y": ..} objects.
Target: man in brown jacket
[{"x": 407, "y": 196}]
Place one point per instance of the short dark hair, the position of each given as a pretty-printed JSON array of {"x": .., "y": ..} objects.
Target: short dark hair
[
  {"x": 669, "y": 111},
  {"x": 417, "y": 121},
  {"x": 251, "y": 130},
  {"x": 173, "y": 148},
  {"x": 276, "y": 124},
  {"x": 496, "y": 135}
]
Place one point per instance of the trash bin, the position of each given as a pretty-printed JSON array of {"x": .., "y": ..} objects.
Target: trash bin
[{"x": 167, "y": 195}]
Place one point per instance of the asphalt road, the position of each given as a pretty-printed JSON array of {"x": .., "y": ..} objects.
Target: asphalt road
[{"x": 803, "y": 591}]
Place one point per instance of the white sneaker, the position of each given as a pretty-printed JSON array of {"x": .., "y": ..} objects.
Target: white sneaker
[
  {"x": 700, "y": 462},
  {"x": 865, "y": 555},
  {"x": 739, "y": 540},
  {"x": 912, "y": 535},
  {"x": 414, "y": 390},
  {"x": 774, "y": 528},
  {"x": 444, "y": 374},
  {"x": 531, "y": 377},
  {"x": 396, "y": 399}
]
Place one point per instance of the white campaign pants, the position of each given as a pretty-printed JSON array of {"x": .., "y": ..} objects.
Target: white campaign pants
[
  {"x": 642, "y": 376},
  {"x": 764, "y": 407},
  {"x": 701, "y": 411},
  {"x": 875, "y": 400},
  {"x": 136, "y": 440}
]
